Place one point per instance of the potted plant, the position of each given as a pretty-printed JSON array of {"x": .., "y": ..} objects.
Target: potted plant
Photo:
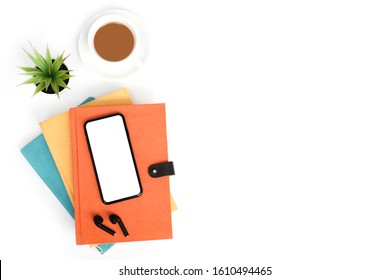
[{"x": 49, "y": 75}]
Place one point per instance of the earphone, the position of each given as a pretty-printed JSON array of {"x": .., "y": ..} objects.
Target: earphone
[
  {"x": 98, "y": 220},
  {"x": 116, "y": 219}
]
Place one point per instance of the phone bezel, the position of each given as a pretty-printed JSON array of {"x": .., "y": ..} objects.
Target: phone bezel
[{"x": 132, "y": 154}]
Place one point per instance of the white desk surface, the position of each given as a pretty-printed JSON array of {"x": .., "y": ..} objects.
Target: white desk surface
[{"x": 278, "y": 117}]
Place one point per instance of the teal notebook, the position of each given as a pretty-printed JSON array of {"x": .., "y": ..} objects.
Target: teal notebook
[{"x": 38, "y": 155}]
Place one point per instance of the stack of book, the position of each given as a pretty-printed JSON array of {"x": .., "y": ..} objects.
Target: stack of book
[{"x": 70, "y": 163}]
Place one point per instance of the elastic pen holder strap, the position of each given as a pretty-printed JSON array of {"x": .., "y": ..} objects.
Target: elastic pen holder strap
[{"x": 161, "y": 169}]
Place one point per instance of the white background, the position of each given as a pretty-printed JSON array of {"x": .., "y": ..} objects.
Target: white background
[{"x": 278, "y": 116}]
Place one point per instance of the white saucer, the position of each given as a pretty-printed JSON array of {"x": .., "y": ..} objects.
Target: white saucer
[{"x": 107, "y": 69}]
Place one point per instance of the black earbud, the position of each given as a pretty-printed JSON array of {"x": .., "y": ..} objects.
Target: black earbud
[
  {"x": 98, "y": 220},
  {"x": 116, "y": 219}
]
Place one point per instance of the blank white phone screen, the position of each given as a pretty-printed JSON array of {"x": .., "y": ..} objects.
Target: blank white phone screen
[{"x": 112, "y": 156}]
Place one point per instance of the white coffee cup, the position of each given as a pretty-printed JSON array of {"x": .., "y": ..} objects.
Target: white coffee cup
[{"x": 113, "y": 70}]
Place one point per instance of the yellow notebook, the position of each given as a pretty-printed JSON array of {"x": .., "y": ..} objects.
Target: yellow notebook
[{"x": 56, "y": 131}]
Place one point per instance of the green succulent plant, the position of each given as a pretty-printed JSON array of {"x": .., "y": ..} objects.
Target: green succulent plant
[{"x": 49, "y": 75}]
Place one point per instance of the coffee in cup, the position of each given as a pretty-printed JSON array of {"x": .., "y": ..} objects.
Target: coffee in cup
[
  {"x": 114, "y": 41},
  {"x": 113, "y": 44}
]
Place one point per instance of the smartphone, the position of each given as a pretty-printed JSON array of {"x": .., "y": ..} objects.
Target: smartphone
[{"x": 113, "y": 158}]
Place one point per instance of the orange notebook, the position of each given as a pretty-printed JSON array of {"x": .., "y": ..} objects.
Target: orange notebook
[{"x": 146, "y": 217}]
